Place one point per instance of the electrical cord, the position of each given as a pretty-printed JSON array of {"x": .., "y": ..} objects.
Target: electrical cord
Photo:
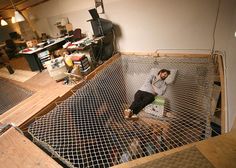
[
  {"x": 114, "y": 42},
  {"x": 100, "y": 51},
  {"x": 214, "y": 29}
]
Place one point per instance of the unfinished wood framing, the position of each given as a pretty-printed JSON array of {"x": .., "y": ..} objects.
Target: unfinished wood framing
[
  {"x": 166, "y": 54},
  {"x": 223, "y": 106}
]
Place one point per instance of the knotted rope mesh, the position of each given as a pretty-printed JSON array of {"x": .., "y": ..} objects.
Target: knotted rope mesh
[{"x": 89, "y": 130}]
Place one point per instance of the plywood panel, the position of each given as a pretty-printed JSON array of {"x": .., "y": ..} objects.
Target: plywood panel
[{"x": 17, "y": 151}]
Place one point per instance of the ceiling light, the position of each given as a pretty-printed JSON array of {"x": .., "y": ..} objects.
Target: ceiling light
[
  {"x": 18, "y": 15},
  {"x": 3, "y": 22},
  {"x": 13, "y": 19}
]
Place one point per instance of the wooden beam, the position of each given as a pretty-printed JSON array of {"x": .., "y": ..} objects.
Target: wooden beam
[
  {"x": 222, "y": 83},
  {"x": 166, "y": 54},
  {"x": 140, "y": 53},
  {"x": 186, "y": 55}
]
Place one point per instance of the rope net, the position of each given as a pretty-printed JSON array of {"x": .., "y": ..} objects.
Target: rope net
[{"x": 89, "y": 130}]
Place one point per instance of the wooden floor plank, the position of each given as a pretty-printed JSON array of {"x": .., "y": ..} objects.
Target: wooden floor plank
[
  {"x": 46, "y": 91},
  {"x": 23, "y": 113},
  {"x": 17, "y": 151}
]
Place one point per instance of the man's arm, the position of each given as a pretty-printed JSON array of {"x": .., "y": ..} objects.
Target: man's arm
[{"x": 150, "y": 77}]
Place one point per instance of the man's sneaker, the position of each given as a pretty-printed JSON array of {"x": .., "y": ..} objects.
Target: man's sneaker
[
  {"x": 134, "y": 117},
  {"x": 128, "y": 113}
]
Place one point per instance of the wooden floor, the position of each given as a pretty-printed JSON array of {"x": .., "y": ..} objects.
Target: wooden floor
[
  {"x": 17, "y": 151},
  {"x": 46, "y": 91}
]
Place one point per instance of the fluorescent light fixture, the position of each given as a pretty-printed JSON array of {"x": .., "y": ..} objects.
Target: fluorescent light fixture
[
  {"x": 3, "y": 22},
  {"x": 19, "y": 17},
  {"x": 234, "y": 34},
  {"x": 13, "y": 19}
]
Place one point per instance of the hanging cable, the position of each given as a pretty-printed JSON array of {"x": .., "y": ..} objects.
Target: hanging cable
[
  {"x": 214, "y": 29},
  {"x": 13, "y": 5}
]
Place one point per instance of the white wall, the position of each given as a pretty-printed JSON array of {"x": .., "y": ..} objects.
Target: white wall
[
  {"x": 145, "y": 25},
  {"x": 230, "y": 71},
  {"x": 155, "y": 24},
  {"x": 49, "y": 13}
]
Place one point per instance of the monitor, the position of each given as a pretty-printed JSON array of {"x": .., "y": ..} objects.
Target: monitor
[
  {"x": 14, "y": 35},
  {"x": 94, "y": 14}
]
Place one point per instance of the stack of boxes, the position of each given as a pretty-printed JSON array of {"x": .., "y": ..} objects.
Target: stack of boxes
[
  {"x": 31, "y": 43},
  {"x": 83, "y": 64},
  {"x": 44, "y": 57}
]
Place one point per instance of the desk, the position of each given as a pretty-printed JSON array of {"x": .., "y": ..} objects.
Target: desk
[
  {"x": 17, "y": 43},
  {"x": 3, "y": 56},
  {"x": 32, "y": 55},
  {"x": 2, "y": 45}
]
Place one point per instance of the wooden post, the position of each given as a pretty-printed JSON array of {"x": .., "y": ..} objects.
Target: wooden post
[{"x": 222, "y": 83}]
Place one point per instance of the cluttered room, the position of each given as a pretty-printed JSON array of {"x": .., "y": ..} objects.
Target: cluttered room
[{"x": 117, "y": 83}]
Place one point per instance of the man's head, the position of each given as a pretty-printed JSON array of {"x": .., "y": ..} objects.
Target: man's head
[{"x": 164, "y": 73}]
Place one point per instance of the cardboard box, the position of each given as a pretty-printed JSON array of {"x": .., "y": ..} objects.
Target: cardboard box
[
  {"x": 56, "y": 68},
  {"x": 31, "y": 43},
  {"x": 69, "y": 27}
]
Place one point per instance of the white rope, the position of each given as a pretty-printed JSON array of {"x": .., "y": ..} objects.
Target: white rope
[{"x": 89, "y": 130}]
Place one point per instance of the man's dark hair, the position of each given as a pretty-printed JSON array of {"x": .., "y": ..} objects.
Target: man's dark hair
[{"x": 164, "y": 70}]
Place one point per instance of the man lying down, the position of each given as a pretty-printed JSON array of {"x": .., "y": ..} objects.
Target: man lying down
[{"x": 155, "y": 85}]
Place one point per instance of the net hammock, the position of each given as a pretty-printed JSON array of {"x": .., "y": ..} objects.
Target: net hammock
[{"x": 88, "y": 129}]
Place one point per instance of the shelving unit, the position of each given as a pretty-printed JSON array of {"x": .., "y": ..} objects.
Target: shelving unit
[{"x": 44, "y": 56}]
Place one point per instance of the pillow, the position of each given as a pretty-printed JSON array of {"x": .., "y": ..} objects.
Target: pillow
[
  {"x": 171, "y": 78},
  {"x": 156, "y": 108}
]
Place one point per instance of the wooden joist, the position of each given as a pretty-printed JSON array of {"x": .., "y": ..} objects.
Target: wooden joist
[
  {"x": 166, "y": 54},
  {"x": 222, "y": 83}
]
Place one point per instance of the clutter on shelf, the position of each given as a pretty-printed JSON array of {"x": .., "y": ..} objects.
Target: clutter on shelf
[
  {"x": 71, "y": 67},
  {"x": 56, "y": 68}
]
